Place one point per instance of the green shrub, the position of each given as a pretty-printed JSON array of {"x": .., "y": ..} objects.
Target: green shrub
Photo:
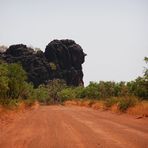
[
  {"x": 111, "y": 101},
  {"x": 3, "y": 80},
  {"x": 27, "y": 91},
  {"x": 13, "y": 85},
  {"x": 92, "y": 91},
  {"x": 66, "y": 94},
  {"x": 79, "y": 92},
  {"x": 29, "y": 102},
  {"x": 126, "y": 102},
  {"x": 42, "y": 94},
  {"x": 9, "y": 103},
  {"x": 54, "y": 87},
  {"x": 17, "y": 77}
]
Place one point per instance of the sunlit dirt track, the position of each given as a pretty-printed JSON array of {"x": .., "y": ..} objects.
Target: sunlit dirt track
[{"x": 74, "y": 127}]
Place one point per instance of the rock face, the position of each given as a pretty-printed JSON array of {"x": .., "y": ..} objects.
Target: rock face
[{"x": 62, "y": 59}]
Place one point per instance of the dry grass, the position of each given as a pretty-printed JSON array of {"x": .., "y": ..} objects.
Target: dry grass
[
  {"x": 22, "y": 106},
  {"x": 140, "y": 109},
  {"x": 7, "y": 115},
  {"x": 86, "y": 103},
  {"x": 79, "y": 102},
  {"x": 70, "y": 103},
  {"x": 114, "y": 108},
  {"x": 35, "y": 105},
  {"x": 98, "y": 105}
]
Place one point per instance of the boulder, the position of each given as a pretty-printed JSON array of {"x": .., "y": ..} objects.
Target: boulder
[{"x": 62, "y": 59}]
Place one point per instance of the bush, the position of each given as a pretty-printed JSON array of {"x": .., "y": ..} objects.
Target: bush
[
  {"x": 54, "y": 87},
  {"x": 92, "y": 91},
  {"x": 29, "y": 102},
  {"x": 111, "y": 101},
  {"x": 72, "y": 93},
  {"x": 17, "y": 77},
  {"x": 4, "y": 80},
  {"x": 9, "y": 103},
  {"x": 12, "y": 80},
  {"x": 125, "y": 103},
  {"x": 66, "y": 94},
  {"x": 27, "y": 91},
  {"x": 13, "y": 85},
  {"x": 79, "y": 92},
  {"x": 41, "y": 94}
]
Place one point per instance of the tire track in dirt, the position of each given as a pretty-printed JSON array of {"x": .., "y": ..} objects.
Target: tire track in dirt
[{"x": 74, "y": 127}]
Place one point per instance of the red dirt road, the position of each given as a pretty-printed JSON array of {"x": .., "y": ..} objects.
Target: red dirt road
[{"x": 74, "y": 127}]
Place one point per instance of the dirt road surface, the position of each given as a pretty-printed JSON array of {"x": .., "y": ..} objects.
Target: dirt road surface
[{"x": 74, "y": 127}]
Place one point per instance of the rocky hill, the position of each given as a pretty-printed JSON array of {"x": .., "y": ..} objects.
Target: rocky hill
[{"x": 62, "y": 59}]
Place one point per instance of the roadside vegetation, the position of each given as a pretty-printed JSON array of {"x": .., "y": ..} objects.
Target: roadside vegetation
[
  {"x": 131, "y": 97},
  {"x": 13, "y": 86}
]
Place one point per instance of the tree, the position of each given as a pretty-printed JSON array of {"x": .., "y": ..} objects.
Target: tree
[
  {"x": 92, "y": 90},
  {"x": 3, "y": 80},
  {"x": 55, "y": 86},
  {"x": 41, "y": 94},
  {"x": 17, "y": 77}
]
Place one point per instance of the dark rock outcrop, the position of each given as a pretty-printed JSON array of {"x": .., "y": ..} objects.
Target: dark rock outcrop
[{"x": 62, "y": 59}]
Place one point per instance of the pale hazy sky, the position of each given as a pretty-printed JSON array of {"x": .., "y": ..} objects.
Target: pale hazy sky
[{"x": 113, "y": 33}]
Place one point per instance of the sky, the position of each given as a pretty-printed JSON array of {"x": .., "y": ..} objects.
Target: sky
[{"x": 113, "y": 33}]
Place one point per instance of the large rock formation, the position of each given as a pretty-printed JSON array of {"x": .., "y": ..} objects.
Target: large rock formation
[{"x": 62, "y": 59}]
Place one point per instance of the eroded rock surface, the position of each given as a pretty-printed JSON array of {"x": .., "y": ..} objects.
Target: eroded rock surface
[{"x": 62, "y": 59}]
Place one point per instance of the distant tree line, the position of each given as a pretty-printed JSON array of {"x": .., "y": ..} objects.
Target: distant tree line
[
  {"x": 14, "y": 87},
  {"x": 107, "y": 89}
]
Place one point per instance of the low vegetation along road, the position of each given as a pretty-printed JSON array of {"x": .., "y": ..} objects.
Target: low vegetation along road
[{"x": 74, "y": 127}]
